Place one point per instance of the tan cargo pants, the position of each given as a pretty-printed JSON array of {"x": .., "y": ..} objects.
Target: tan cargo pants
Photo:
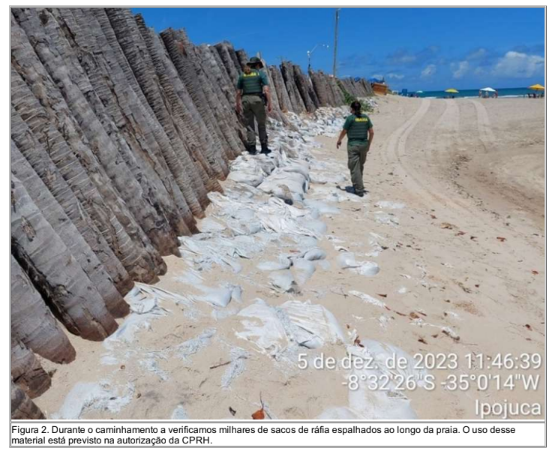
[
  {"x": 357, "y": 155},
  {"x": 254, "y": 108}
]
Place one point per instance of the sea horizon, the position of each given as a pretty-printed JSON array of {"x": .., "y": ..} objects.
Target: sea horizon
[{"x": 508, "y": 92}]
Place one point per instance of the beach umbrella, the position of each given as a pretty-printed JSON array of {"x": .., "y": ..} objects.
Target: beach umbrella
[
  {"x": 488, "y": 89},
  {"x": 536, "y": 87},
  {"x": 451, "y": 91}
]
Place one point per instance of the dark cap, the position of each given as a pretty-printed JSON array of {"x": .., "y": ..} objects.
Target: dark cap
[{"x": 254, "y": 61}]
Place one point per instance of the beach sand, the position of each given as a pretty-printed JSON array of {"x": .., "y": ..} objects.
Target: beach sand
[{"x": 462, "y": 271}]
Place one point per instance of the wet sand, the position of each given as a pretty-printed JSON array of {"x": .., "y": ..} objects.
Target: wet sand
[{"x": 454, "y": 218}]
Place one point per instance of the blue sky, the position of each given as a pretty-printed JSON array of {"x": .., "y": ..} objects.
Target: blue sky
[{"x": 414, "y": 48}]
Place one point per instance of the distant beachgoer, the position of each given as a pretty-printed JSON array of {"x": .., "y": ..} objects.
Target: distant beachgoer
[{"x": 359, "y": 130}]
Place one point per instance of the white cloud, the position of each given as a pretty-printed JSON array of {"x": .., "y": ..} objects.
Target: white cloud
[
  {"x": 459, "y": 69},
  {"x": 395, "y": 76},
  {"x": 477, "y": 54},
  {"x": 517, "y": 64},
  {"x": 407, "y": 59},
  {"x": 402, "y": 58},
  {"x": 428, "y": 71}
]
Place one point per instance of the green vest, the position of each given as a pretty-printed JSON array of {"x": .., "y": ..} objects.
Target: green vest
[
  {"x": 357, "y": 128},
  {"x": 252, "y": 83}
]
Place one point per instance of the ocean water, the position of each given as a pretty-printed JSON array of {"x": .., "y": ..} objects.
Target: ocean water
[{"x": 517, "y": 92}]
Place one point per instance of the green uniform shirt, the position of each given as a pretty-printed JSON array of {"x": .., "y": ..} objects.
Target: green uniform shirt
[
  {"x": 253, "y": 82},
  {"x": 357, "y": 128}
]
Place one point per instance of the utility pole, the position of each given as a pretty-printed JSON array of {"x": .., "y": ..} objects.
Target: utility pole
[{"x": 336, "y": 41}]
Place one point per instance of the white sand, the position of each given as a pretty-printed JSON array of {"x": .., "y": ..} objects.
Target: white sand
[{"x": 461, "y": 258}]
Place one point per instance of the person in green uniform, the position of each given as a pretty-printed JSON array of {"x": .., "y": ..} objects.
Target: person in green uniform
[
  {"x": 252, "y": 87},
  {"x": 359, "y": 130}
]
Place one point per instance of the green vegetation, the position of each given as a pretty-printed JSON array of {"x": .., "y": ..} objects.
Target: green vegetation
[{"x": 349, "y": 99}]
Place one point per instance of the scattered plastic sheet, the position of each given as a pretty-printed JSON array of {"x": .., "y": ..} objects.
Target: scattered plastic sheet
[
  {"x": 128, "y": 328},
  {"x": 282, "y": 263},
  {"x": 205, "y": 253},
  {"x": 94, "y": 396},
  {"x": 109, "y": 360},
  {"x": 329, "y": 194},
  {"x": 366, "y": 298},
  {"x": 376, "y": 250},
  {"x": 210, "y": 225},
  {"x": 144, "y": 303},
  {"x": 315, "y": 225},
  {"x": 179, "y": 413},
  {"x": 250, "y": 178},
  {"x": 376, "y": 242},
  {"x": 215, "y": 247},
  {"x": 151, "y": 364},
  {"x": 246, "y": 171},
  {"x": 346, "y": 260},
  {"x": 386, "y": 219},
  {"x": 383, "y": 321},
  {"x": 262, "y": 326},
  {"x": 321, "y": 207},
  {"x": 281, "y": 225},
  {"x": 141, "y": 302},
  {"x": 191, "y": 277},
  {"x": 221, "y": 314},
  {"x": 163, "y": 294},
  {"x": 293, "y": 324},
  {"x": 219, "y": 297},
  {"x": 303, "y": 270},
  {"x": 238, "y": 364},
  {"x": 389, "y": 205},
  {"x": 192, "y": 346},
  {"x": 314, "y": 254},
  {"x": 369, "y": 269},
  {"x": 328, "y": 178},
  {"x": 314, "y": 324},
  {"x": 367, "y": 403},
  {"x": 305, "y": 242},
  {"x": 283, "y": 281}
]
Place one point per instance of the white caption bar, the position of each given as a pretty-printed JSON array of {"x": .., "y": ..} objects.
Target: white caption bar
[{"x": 275, "y": 434}]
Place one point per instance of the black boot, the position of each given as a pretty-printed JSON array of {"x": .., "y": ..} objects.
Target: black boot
[
  {"x": 264, "y": 149},
  {"x": 252, "y": 150},
  {"x": 353, "y": 191}
]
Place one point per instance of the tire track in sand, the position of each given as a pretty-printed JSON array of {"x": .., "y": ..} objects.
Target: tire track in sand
[
  {"x": 448, "y": 125},
  {"x": 396, "y": 149},
  {"x": 483, "y": 122},
  {"x": 428, "y": 187}
]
